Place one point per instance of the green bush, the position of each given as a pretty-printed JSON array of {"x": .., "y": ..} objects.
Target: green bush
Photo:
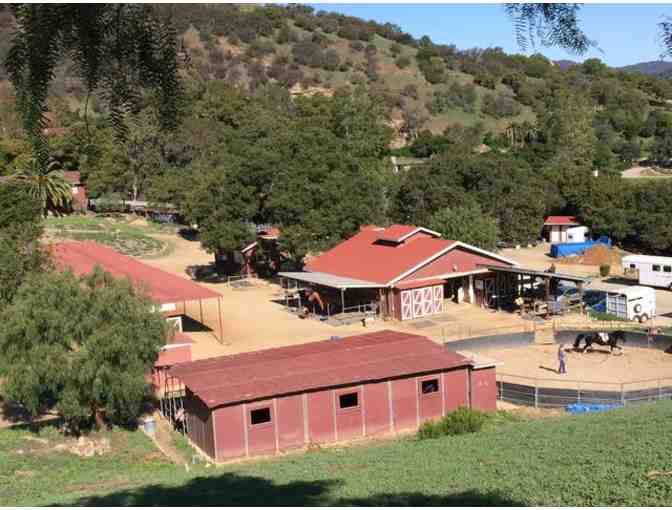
[
  {"x": 461, "y": 421},
  {"x": 605, "y": 269},
  {"x": 430, "y": 430},
  {"x": 403, "y": 61}
]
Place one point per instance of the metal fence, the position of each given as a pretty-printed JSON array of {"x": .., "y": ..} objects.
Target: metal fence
[{"x": 549, "y": 393}]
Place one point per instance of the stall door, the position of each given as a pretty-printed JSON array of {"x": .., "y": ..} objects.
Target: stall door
[
  {"x": 428, "y": 301},
  {"x": 406, "y": 305},
  {"x": 438, "y": 299},
  {"x": 418, "y": 303}
]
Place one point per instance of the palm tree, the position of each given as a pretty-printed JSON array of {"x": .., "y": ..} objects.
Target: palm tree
[{"x": 49, "y": 186}]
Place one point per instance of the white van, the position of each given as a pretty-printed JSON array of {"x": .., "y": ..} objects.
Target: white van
[
  {"x": 653, "y": 271},
  {"x": 632, "y": 303}
]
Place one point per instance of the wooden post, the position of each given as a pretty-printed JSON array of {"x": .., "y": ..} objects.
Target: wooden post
[
  {"x": 200, "y": 306},
  {"x": 219, "y": 313},
  {"x": 342, "y": 300}
]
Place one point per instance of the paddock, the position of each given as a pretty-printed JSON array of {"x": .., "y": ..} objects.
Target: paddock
[{"x": 528, "y": 374}]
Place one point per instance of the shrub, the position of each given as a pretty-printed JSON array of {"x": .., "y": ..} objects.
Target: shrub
[
  {"x": 356, "y": 45},
  {"x": 461, "y": 421},
  {"x": 331, "y": 60},
  {"x": 430, "y": 430},
  {"x": 500, "y": 106},
  {"x": 604, "y": 270},
  {"x": 395, "y": 49},
  {"x": 410, "y": 90},
  {"x": 402, "y": 62}
]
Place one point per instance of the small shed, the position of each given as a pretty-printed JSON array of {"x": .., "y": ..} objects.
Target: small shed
[
  {"x": 274, "y": 400},
  {"x": 80, "y": 201},
  {"x": 564, "y": 229}
]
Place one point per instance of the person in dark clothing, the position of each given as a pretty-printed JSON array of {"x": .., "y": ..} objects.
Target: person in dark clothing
[{"x": 562, "y": 369}]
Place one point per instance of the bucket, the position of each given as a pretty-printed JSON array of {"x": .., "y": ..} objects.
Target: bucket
[{"x": 149, "y": 426}]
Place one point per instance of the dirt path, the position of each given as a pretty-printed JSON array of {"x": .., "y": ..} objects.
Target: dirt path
[
  {"x": 643, "y": 172},
  {"x": 163, "y": 439}
]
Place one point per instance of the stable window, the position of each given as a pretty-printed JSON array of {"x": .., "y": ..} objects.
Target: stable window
[
  {"x": 633, "y": 266},
  {"x": 656, "y": 268},
  {"x": 667, "y": 269},
  {"x": 260, "y": 416},
  {"x": 429, "y": 386},
  {"x": 348, "y": 400}
]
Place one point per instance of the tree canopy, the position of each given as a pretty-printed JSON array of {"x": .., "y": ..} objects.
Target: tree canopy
[{"x": 80, "y": 345}]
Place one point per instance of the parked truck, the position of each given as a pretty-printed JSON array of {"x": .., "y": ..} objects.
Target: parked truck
[
  {"x": 632, "y": 303},
  {"x": 652, "y": 271}
]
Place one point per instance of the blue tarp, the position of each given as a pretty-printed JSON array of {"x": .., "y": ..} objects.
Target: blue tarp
[
  {"x": 566, "y": 249},
  {"x": 590, "y": 408}
]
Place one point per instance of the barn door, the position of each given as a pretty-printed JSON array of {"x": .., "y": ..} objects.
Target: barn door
[
  {"x": 406, "y": 305},
  {"x": 428, "y": 301},
  {"x": 438, "y": 299},
  {"x": 418, "y": 308}
]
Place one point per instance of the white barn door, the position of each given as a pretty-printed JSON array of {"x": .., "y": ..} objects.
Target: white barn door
[
  {"x": 438, "y": 299},
  {"x": 406, "y": 305},
  {"x": 418, "y": 305}
]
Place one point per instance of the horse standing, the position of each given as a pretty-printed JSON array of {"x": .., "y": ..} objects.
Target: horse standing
[{"x": 602, "y": 338}]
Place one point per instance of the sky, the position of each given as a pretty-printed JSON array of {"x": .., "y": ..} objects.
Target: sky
[{"x": 626, "y": 33}]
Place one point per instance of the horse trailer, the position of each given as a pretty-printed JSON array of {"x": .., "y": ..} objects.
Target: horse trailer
[
  {"x": 653, "y": 271},
  {"x": 632, "y": 303}
]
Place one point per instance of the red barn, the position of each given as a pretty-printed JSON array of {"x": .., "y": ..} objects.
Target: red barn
[
  {"x": 274, "y": 400},
  {"x": 407, "y": 270}
]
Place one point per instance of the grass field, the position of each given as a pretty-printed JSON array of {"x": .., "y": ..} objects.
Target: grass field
[
  {"x": 119, "y": 233},
  {"x": 605, "y": 459}
]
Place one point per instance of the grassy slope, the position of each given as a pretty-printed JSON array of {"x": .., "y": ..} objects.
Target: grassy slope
[{"x": 587, "y": 460}]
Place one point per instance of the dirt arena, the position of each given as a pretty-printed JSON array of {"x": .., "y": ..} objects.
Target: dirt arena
[{"x": 599, "y": 366}]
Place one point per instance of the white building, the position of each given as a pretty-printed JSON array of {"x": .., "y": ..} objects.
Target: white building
[{"x": 564, "y": 229}]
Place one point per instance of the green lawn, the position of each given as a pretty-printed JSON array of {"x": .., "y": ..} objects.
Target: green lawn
[
  {"x": 600, "y": 459},
  {"x": 119, "y": 233}
]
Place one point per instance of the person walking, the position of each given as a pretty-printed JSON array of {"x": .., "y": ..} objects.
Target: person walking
[{"x": 562, "y": 369}]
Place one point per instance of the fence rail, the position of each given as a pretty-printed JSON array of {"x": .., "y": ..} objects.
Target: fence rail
[{"x": 548, "y": 393}]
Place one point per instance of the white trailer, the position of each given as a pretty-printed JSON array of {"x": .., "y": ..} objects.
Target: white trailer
[
  {"x": 577, "y": 234},
  {"x": 632, "y": 303},
  {"x": 653, "y": 271}
]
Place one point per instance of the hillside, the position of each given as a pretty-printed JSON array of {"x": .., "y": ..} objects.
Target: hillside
[
  {"x": 422, "y": 84},
  {"x": 617, "y": 458},
  {"x": 658, "y": 68}
]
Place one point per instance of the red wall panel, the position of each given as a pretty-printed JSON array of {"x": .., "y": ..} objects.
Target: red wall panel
[
  {"x": 321, "y": 417},
  {"x": 229, "y": 432},
  {"x": 431, "y": 404},
  {"x": 349, "y": 421},
  {"x": 290, "y": 422},
  {"x": 377, "y": 408},
  {"x": 261, "y": 438},
  {"x": 484, "y": 389},
  {"x": 405, "y": 403},
  {"x": 456, "y": 388}
]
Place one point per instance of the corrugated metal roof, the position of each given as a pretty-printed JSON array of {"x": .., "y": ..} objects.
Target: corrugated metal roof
[
  {"x": 536, "y": 272},
  {"x": 561, "y": 220},
  {"x": 370, "y": 257},
  {"x": 329, "y": 280},
  {"x": 294, "y": 369},
  {"x": 82, "y": 256},
  {"x": 365, "y": 257}
]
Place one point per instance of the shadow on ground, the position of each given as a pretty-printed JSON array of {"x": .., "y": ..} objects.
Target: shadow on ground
[{"x": 235, "y": 490}]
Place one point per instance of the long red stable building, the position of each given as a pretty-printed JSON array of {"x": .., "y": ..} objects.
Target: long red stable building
[{"x": 275, "y": 400}]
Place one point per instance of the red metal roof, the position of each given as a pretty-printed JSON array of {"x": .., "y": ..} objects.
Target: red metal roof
[
  {"x": 285, "y": 370},
  {"x": 561, "y": 220},
  {"x": 370, "y": 257},
  {"x": 82, "y": 256},
  {"x": 365, "y": 257}
]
